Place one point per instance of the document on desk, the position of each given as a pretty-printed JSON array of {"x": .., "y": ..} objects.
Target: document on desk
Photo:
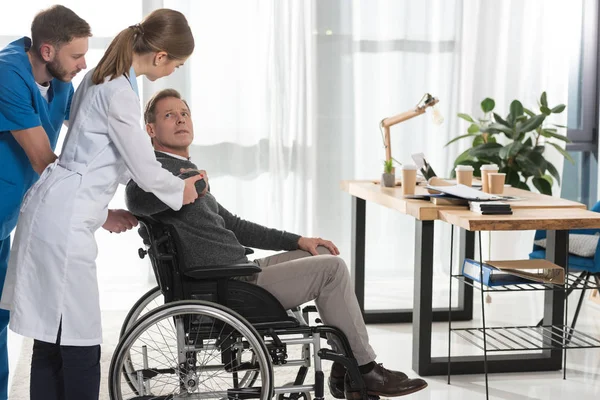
[{"x": 465, "y": 192}]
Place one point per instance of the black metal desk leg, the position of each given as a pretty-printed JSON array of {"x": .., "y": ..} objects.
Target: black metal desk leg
[
  {"x": 465, "y": 292},
  {"x": 423, "y": 296},
  {"x": 358, "y": 249},
  {"x": 557, "y": 251}
]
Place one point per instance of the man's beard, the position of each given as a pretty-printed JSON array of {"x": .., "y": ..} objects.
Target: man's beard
[{"x": 57, "y": 71}]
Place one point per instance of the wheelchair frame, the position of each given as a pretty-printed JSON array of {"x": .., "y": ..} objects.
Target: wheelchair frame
[{"x": 244, "y": 303}]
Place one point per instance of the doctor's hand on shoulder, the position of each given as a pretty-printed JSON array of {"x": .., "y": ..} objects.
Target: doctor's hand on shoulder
[
  {"x": 199, "y": 174},
  {"x": 119, "y": 221}
]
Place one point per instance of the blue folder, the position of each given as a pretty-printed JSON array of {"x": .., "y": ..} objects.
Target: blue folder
[{"x": 491, "y": 276}]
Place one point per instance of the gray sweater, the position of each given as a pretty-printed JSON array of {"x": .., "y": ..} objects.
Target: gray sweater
[{"x": 210, "y": 234}]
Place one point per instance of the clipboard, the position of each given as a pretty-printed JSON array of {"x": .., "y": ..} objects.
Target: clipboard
[{"x": 465, "y": 192}]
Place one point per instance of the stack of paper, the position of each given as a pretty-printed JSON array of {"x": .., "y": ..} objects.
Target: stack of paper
[{"x": 490, "y": 207}]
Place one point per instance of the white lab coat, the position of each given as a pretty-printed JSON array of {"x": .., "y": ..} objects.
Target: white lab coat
[{"x": 52, "y": 269}]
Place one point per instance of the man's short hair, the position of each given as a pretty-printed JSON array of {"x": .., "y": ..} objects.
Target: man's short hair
[
  {"x": 150, "y": 112},
  {"x": 57, "y": 26}
]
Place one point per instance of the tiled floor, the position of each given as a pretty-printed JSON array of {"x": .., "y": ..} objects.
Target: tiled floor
[{"x": 124, "y": 281}]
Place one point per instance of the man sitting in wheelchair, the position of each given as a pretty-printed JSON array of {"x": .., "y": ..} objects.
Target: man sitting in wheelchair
[{"x": 308, "y": 270}]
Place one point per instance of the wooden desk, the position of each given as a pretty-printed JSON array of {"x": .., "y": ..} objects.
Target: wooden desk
[
  {"x": 536, "y": 211},
  {"x": 523, "y": 219}
]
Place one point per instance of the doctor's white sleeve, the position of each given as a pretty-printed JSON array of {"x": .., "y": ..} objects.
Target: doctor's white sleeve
[{"x": 134, "y": 146}]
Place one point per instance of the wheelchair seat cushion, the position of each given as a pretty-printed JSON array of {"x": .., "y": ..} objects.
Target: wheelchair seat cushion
[{"x": 579, "y": 245}]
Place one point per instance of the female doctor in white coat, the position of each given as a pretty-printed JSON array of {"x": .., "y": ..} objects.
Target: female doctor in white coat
[{"x": 51, "y": 288}]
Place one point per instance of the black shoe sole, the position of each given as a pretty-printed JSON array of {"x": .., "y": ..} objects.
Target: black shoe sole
[{"x": 357, "y": 396}]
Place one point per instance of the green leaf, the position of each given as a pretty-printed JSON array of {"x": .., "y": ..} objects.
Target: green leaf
[
  {"x": 549, "y": 133},
  {"x": 512, "y": 177},
  {"x": 462, "y": 157},
  {"x": 553, "y": 171},
  {"x": 486, "y": 150},
  {"x": 528, "y": 142},
  {"x": 563, "y": 152},
  {"x": 545, "y": 110},
  {"x": 548, "y": 178},
  {"x": 516, "y": 109},
  {"x": 531, "y": 124},
  {"x": 501, "y": 121},
  {"x": 477, "y": 141},
  {"x": 560, "y": 126},
  {"x": 459, "y": 137},
  {"x": 510, "y": 150},
  {"x": 523, "y": 185},
  {"x": 542, "y": 185},
  {"x": 497, "y": 128},
  {"x": 558, "y": 109},
  {"x": 465, "y": 117},
  {"x": 474, "y": 128},
  {"x": 528, "y": 112},
  {"x": 544, "y": 100},
  {"x": 528, "y": 167},
  {"x": 538, "y": 149},
  {"x": 488, "y": 105}
]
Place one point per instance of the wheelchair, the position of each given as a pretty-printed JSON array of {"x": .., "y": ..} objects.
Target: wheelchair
[{"x": 205, "y": 333}]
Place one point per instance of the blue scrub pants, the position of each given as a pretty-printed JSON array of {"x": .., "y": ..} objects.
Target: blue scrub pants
[{"x": 4, "y": 316}]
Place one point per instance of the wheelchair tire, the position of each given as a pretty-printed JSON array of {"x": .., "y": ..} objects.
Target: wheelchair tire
[
  {"x": 149, "y": 301},
  {"x": 233, "y": 338}
]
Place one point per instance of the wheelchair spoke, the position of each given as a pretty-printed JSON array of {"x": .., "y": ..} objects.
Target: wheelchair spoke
[{"x": 217, "y": 347}]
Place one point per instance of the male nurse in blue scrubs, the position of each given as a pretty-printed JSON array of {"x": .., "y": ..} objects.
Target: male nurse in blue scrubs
[{"x": 35, "y": 99}]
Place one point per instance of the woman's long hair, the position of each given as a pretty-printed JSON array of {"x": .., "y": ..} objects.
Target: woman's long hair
[{"x": 162, "y": 30}]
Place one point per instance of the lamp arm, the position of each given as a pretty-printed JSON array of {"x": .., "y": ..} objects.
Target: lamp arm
[{"x": 386, "y": 123}]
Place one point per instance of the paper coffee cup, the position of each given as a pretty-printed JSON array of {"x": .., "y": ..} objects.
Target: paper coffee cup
[
  {"x": 496, "y": 182},
  {"x": 409, "y": 178},
  {"x": 464, "y": 175},
  {"x": 485, "y": 170}
]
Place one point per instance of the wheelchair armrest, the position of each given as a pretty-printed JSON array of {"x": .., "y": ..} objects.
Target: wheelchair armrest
[{"x": 224, "y": 271}]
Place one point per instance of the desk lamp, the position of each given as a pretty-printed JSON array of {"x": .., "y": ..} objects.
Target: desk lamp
[{"x": 426, "y": 101}]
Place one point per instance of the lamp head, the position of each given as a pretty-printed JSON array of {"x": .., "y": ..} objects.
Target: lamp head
[{"x": 430, "y": 101}]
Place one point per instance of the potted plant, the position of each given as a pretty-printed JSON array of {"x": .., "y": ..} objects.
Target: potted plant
[
  {"x": 523, "y": 138},
  {"x": 388, "y": 178}
]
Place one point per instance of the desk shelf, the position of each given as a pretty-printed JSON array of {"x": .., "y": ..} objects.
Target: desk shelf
[
  {"x": 527, "y": 338},
  {"x": 573, "y": 282}
]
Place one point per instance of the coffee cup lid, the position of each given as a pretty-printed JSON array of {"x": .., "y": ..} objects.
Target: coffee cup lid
[
  {"x": 489, "y": 167},
  {"x": 464, "y": 168}
]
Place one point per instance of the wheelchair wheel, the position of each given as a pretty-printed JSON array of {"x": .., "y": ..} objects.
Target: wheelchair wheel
[
  {"x": 149, "y": 301},
  {"x": 152, "y": 299},
  {"x": 191, "y": 350}
]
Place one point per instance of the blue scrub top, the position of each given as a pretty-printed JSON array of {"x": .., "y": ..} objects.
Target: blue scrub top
[{"x": 21, "y": 107}]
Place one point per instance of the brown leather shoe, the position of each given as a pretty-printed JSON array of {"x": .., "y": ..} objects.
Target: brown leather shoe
[
  {"x": 338, "y": 373},
  {"x": 383, "y": 382}
]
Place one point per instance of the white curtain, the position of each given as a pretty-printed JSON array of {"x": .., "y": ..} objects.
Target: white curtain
[{"x": 249, "y": 83}]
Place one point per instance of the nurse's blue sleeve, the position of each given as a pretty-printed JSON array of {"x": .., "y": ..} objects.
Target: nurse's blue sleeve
[
  {"x": 16, "y": 103},
  {"x": 68, "y": 113}
]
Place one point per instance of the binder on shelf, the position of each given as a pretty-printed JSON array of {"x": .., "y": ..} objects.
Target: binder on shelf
[
  {"x": 542, "y": 271},
  {"x": 491, "y": 275}
]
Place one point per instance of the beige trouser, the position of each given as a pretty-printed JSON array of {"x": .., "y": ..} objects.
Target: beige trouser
[{"x": 296, "y": 277}]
